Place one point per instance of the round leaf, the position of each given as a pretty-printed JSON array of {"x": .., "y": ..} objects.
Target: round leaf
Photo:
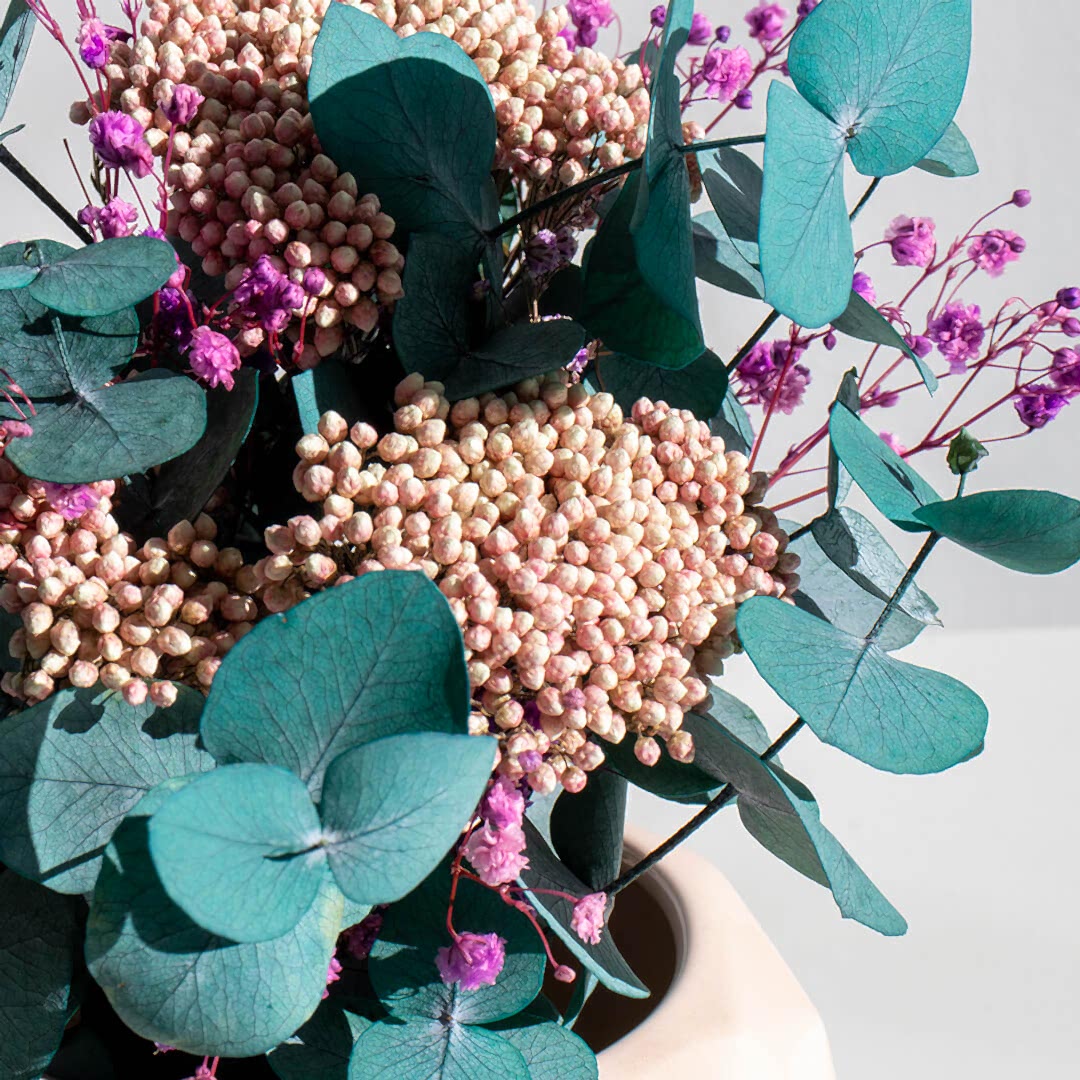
[
  {"x": 73, "y": 766},
  {"x": 392, "y": 808},
  {"x": 700, "y": 387},
  {"x": 172, "y": 981},
  {"x": 320, "y": 1049},
  {"x": 375, "y": 657},
  {"x": 951, "y": 156},
  {"x": 239, "y": 850},
  {"x": 551, "y": 1051}
]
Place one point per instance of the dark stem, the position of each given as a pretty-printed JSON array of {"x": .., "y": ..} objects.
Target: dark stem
[
  {"x": 754, "y": 338},
  {"x": 867, "y": 195},
  {"x": 905, "y": 581},
  {"x": 23, "y": 175},
  {"x": 723, "y": 797},
  {"x": 800, "y": 532},
  {"x": 611, "y": 174}
]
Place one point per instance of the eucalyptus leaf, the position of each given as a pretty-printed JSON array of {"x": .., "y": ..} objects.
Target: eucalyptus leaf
[
  {"x": 103, "y": 277},
  {"x": 838, "y": 482},
  {"x": 332, "y": 384},
  {"x": 734, "y": 184},
  {"x": 892, "y": 485},
  {"x": 38, "y": 936},
  {"x": 283, "y": 696},
  {"x": 1035, "y": 532},
  {"x": 856, "y": 697},
  {"x": 411, "y": 118},
  {"x": 733, "y": 424},
  {"x": 238, "y": 849},
  {"x": 863, "y": 321},
  {"x": 545, "y": 871},
  {"x": 15, "y": 33},
  {"x": 72, "y": 766},
  {"x": 951, "y": 156},
  {"x": 667, "y": 779},
  {"x": 701, "y": 387},
  {"x": 320, "y": 1050},
  {"x": 783, "y": 816},
  {"x": 171, "y": 981},
  {"x": 15, "y": 277},
  {"x": 889, "y": 73},
  {"x": 587, "y": 828},
  {"x": 552, "y": 1052},
  {"x": 720, "y": 262},
  {"x": 434, "y": 1050},
  {"x": 392, "y": 809},
  {"x": 806, "y": 247}
]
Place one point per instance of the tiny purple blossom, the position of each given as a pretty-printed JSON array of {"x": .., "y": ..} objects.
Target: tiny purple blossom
[
  {"x": 117, "y": 218},
  {"x": 994, "y": 250},
  {"x": 120, "y": 143},
  {"x": 759, "y": 372},
  {"x": 474, "y": 960},
  {"x": 805, "y": 7},
  {"x": 333, "y": 973},
  {"x": 1038, "y": 405},
  {"x": 1065, "y": 374},
  {"x": 726, "y": 72},
  {"x": 766, "y": 22},
  {"x": 958, "y": 333},
  {"x": 862, "y": 285},
  {"x": 163, "y": 1048},
  {"x": 266, "y": 297},
  {"x": 15, "y": 429},
  {"x": 314, "y": 281},
  {"x": 213, "y": 357},
  {"x": 71, "y": 501},
  {"x": 723, "y": 34},
  {"x": 701, "y": 30},
  {"x": 588, "y": 16},
  {"x": 497, "y": 855},
  {"x": 503, "y": 806},
  {"x": 657, "y": 16},
  {"x": 912, "y": 240},
  {"x": 530, "y": 760},
  {"x": 1021, "y": 197},
  {"x": 94, "y": 40},
  {"x": 184, "y": 104},
  {"x": 587, "y": 920},
  {"x": 550, "y": 250},
  {"x": 1069, "y": 298},
  {"x": 744, "y": 99},
  {"x": 921, "y": 346}
]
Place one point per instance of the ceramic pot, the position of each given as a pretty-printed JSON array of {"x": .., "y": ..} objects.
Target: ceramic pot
[{"x": 732, "y": 1008}]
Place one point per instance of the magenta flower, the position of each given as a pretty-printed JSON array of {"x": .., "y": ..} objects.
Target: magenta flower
[
  {"x": 550, "y": 250},
  {"x": 862, "y": 285},
  {"x": 726, "y": 72},
  {"x": 213, "y": 357},
  {"x": 1038, "y": 405},
  {"x": 958, "y": 333},
  {"x": 588, "y": 918},
  {"x": 333, "y": 973},
  {"x": 994, "y": 250},
  {"x": 701, "y": 30},
  {"x": 504, "y": 805},
  {"x": 912, "y": 240},
  {"x": 16, "y": 429},
  {"x": 657, "y": 16},
  {"x": 759, "y": 372},
  {"x": 182, "y": 107},
  {"x": 94, "y": 40},
  {"x": 71, "y": 501},
  {"x": 1065, "y": 374},
  {"x": 805, "y": 7},
  {"x": 497, "y": 854},
  {"x": 588, "y": 16},
  {"x": 266, "y": 297},
  {"x": 117, "y": 218},
  {"x": 120, "y": 143},
  {"x": 766, "y": 22},
  {"x": 474, "y": 960}
]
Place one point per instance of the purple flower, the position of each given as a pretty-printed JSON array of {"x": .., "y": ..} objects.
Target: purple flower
[
  {"x": 744, "y": 99},
  {"x": 892, "y": 442},
  {"x": 94, "y": 40},
  {"x": 805, "y": 7},
  {"x": 726, "y": 72},
  {"x": 503, "y": 806},
  {"x": 120, "y": 143},
  {"x": 587, "y": 920},
  {"x": 912, "y": 240},
  {"x": 71, "y": 501},
  {"x": 474, "y": 960},
  {"x": 183, "y": 105},
  {"x": 265, "y": 296},
  {"x": 921, "y": 346},
  {"x": 588, "y": 16},
  {"x": 958, "y": 333},
  {"x": 1069, "y": 298},
  {"x": 701, "y": 30},
  {"x": 759, "y": 372},
  {"x": 1065, "y": 374},
  {"x": 314, "y": 281},
  {"x": 766, "y": 22},
  {"x": 117, "y": 218},
  {"x": 213, "y": 357},
  {"x": 360, "y": 938},
  {"x": 333, "y": 973},
  {"x": 996, "y": 249},
  {"x": 1021, "y": 197},
  {"x": 657, "y": 16},
  {"x": 1038, "y": 405},
  {"x": 530, "y": 760},
  {"x": 173, "y": 318},
  {"x": 15, "y": 429},
  {"x": 497, "y": 854},
  {"x": 549, "y": 250},
  {"x": 723, "y": 34},
  {"x": 862, "y": 285}
]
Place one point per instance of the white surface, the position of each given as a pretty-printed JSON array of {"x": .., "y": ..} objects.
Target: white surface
[{"x": 981, "y": 861}]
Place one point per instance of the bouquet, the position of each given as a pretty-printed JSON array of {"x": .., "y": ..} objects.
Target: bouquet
[{"x": 373, "y": 513}]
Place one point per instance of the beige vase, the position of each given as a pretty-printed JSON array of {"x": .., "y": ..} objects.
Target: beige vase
[{"x": 733, "y": 1009}]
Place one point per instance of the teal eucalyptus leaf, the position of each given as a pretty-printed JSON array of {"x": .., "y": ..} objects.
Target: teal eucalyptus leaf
[
  {"x": 378, "y": 656},
  {"x": 74, "y": 765},
  {"x": 411, "y": 118},
  {"x": 863, "y": 321},
  {"x": 320, "y": 1050},
  {"x": 838, "y": 482},
  {"x": 720, "y": 262},
  {"x": 1035, "y": 532},
  {"x": 238, "y": 849},
  {"x": 856, "y": 697},
  {"x": 331, "y": 385},
  {"x": 806, "y": 247},
  {"x": 551, "y": 1051},
  {"x": 172, "y": 981},
  {"x": 545, "y": 871},
  {"x": 892, "y": 485},
  {"x": 889, "y": 73},
  {"x": 393, "y": 808},
  {"x": 15, "y": 33},
  {"x": 100, "y": 278},
  {"x": 951, "y": 156},
  {"x": 734, "y": 184},
  {"x": 96, "y": 434},
  {"x": 38, "y": 940},
  {"x": 432, "y": 1050},
  {"x": 587, "y": 828},
  {"x": 783, "y": 817},
  {"x": 701, "y": 387},
  {"x": 15, "y": 277}
]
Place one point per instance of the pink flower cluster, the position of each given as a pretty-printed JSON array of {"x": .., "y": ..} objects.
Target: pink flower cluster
[
  {"x": 912, "y": 241},
  {"x": 496, "y": 847},
  {"x": 760, "y": 372},
  {"x": 473, "y": 960}
]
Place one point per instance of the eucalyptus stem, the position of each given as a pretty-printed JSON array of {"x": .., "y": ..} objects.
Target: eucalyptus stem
[
  {"x": 30, "y": 182},
  {"x": 723, "y": 797},
  {"x": 754, "y": 338},
  {"x": 605, "y": 177},
  {"x": 867, "y": 195},
  {"x": 905, "y": 581}
]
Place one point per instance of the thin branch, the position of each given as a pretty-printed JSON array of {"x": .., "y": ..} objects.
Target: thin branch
[
  {"x": 754, "y": 338},
  {"x": 23, "y": 175},
  {"x": 719, "y": 144},
  {"x": 867, "y": 195}
]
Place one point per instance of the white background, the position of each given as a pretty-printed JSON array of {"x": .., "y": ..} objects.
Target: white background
[{"x": 981, "y": 860}]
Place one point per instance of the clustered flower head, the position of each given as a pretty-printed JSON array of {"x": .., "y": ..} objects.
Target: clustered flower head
[
  {"x": 473, "y": 960},
  {"x": 593, "y": 561},
  {"x": 760, "y": 370},
  {"x": 994, "y": 250},
  {"x": 726, "y": 72},
  {"x": 766, "y": 22},
  {"x": 912, "y": 240},
  {"x": 97, "y": 607},
  {"x": 958, "y": 333},
  {"x": 496, "y": 848}
]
